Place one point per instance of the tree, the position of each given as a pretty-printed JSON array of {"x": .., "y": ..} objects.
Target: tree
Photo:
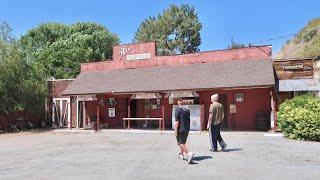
[
  {"x": 235, "y": 45},
  {"x": 6, "y": 39},
  {"x": 61, "y": 48},
  {"x": 22, "y": 85},
  {"x": 176, "y": 30}
]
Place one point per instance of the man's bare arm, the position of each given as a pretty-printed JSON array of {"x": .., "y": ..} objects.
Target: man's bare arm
[
  {"x": 176, "y": 125},
  {"x": 209, "y": 120}
]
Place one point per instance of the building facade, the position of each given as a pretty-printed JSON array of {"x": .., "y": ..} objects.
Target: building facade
[
  {"x": 139, "y": 89},
  {"x": 295, "y": 77}
]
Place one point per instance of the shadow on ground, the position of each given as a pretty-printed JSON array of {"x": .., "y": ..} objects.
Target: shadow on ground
[
  {"x": 200, "y": 158},
  {"x": 232, "y": 149}
]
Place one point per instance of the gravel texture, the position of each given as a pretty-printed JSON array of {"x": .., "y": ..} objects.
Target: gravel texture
[{"x": 120, "y": 155}]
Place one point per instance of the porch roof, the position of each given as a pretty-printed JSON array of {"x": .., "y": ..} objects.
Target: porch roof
[
  {"x": 298, "y": 85},
  {"x": 226, "y": 74}
]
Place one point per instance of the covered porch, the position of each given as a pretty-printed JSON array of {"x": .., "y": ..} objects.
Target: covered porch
[{"x": 145, "y": 110}]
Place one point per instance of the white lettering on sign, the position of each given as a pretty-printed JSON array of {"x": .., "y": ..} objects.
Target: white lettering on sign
[
  {"x": 297, "y": 66},
  {"x": 138, "y": 56},
  {"x": 124, "y": 51}
]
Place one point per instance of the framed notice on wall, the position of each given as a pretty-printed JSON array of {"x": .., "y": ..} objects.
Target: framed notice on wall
[
  {"x": 112, "y": 112},
  {"x": 233, "y": 108}
]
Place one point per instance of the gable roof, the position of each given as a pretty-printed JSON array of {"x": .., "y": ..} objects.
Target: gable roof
[{"x": 227, "y": 74}]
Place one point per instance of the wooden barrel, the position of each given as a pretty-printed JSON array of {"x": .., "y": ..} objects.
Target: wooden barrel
[{"x": 261, "y": 121}]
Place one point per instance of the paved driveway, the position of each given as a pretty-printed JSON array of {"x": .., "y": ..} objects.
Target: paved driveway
[{"x": 118, "y": 155}]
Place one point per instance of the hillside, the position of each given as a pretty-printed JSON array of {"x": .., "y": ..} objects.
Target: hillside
[{"x": 305, "y": 44}]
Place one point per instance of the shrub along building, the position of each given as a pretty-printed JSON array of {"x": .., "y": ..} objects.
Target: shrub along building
[{"x": 139, "y": 89}]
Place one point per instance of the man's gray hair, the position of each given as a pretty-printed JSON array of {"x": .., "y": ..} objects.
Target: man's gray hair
[{"x": 215, "y": 97}]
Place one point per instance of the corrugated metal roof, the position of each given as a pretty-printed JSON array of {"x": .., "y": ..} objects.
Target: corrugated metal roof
[
  {"x": 228, "y": 74},
  {"x": 298, "y": 85}
]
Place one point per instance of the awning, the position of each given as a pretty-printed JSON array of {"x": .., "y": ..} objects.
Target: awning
[
  {"x": 182, "y": 94},
  {"x": 298, "y": 85},
  {"x": 146, "y": 96}
]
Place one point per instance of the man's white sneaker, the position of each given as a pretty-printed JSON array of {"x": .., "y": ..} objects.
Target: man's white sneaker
[{"x": 190, "y": 157}]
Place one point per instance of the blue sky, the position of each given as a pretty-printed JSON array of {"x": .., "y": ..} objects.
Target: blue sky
[{"x": 246, "y": 21}]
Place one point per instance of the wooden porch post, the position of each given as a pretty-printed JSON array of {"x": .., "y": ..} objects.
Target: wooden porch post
[
  {"x": 71, "y": 109},
  {"x": 162, "y": 112},
  {"x": 98, "y": 117},
  {"x": 274, "y": 107},
  {"x": 77, "y": 119},
  {"x": 84, "y": 114},
  {"x": 129, "y": 112},
  {"x": 202, "y": 125}
]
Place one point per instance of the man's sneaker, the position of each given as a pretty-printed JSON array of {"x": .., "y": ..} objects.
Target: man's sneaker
[
  {"x": 182, "y": 157},
  {"x": 190, "y": 157},
  {"x": 223, "y": 145},
  {"x": 213, "y": 150}
]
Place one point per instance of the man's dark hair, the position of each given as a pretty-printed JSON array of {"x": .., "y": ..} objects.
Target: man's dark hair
[{"x": 180, "y": 99}]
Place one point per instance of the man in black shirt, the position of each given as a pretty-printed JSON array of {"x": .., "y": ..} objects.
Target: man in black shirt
[{"x": 182, "y": 127}]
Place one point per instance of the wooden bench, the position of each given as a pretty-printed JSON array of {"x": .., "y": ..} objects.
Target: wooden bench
[{"x": 140, "y": 119}]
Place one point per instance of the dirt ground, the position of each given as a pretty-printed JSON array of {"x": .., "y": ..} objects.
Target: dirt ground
[{"x": 120, "y": 155}]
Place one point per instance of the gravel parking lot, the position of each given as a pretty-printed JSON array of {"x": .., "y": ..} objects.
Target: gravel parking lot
[{"x": 119, "y": 155}]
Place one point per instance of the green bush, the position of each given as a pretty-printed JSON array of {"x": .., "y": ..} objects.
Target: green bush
[{"x": 299, "y": 118}]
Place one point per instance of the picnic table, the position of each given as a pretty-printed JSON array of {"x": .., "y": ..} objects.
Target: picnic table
[{"x": 140, "y": 119}]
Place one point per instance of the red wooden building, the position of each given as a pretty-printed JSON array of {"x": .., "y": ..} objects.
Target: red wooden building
[{"x": 140, "y": 85}]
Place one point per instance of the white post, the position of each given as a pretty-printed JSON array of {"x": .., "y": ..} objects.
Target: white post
[
  {"x": 53, "y": 112},
  {"x": 272, "y": 110},
  {"x": 61, "y": 112},
  {"x": 84, "y": 113},
  {"x": 77, "y": 112},
  {"x": 69, "y": 114}
]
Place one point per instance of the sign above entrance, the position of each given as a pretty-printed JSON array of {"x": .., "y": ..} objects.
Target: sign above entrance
[
  {"x": 87, "y": 97},
  {"x": 289, "y": 67},
  {"x": 138, "y": 56},
  {"x": 293, "y": 68}
]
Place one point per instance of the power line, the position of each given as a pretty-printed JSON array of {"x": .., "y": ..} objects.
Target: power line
[{"x": 272, "y": 39}]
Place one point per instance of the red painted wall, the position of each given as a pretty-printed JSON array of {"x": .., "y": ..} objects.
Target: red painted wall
[
  {"x": 120, "y": 62},
  {"x": 91, "y": 109},
  {"x": 56, "y": 87},
  {"x": 255, "y": 100},
  {"x": 121, "y": 109}
]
